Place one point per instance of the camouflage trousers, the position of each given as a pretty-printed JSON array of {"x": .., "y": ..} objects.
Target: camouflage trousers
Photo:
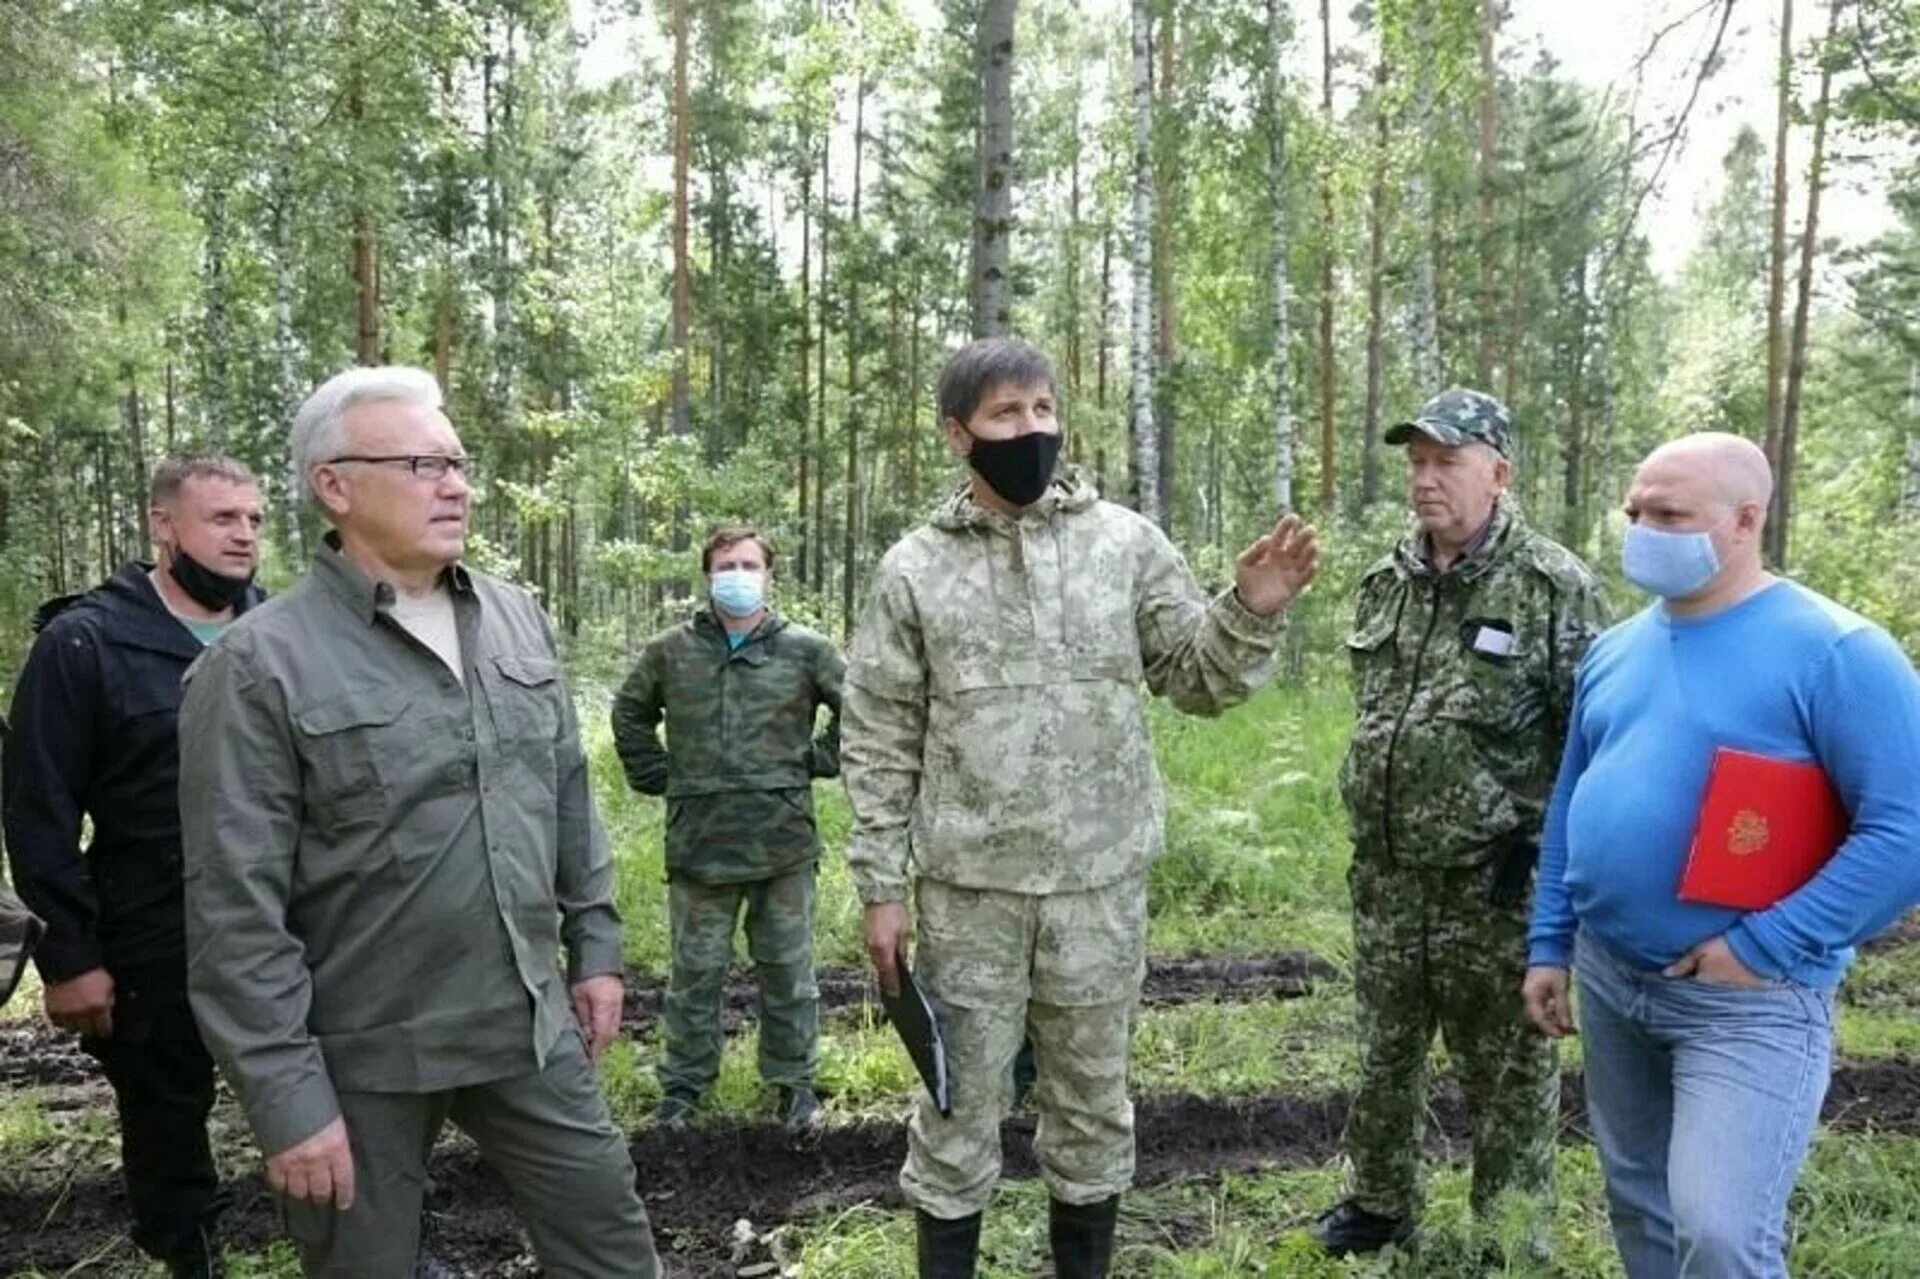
[
  {"x": 1062, "y": 969},
  {"x": 779, "y": 927},
  {"x": 1431, "y": 953}
]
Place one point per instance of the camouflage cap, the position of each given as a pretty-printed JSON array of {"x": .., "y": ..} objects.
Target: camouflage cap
[{"x": 1459, "y": 417}]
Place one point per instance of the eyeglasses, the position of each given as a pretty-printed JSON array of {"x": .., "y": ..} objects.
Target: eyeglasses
[{"x": 428, "y": 466}]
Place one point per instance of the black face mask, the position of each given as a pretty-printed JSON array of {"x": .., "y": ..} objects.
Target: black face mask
[
  {"x": 210, "y": 590},
  {"x": 1018, "y": 469}
]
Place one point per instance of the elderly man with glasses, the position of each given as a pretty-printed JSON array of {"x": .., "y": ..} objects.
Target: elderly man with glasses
[{"x": 389, "y": 843}]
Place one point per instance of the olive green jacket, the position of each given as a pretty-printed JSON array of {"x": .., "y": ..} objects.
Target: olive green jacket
[
  {"x": 384, "y": 862},
  {"x": 741, "y": 746}
]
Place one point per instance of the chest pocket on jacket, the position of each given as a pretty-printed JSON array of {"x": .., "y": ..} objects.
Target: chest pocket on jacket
[
  {"x": 1498, "y": 692},
  {"x": 356, "y": 747},
  {"x": 1373, "y": 653},
  {"x": 525, "y": 699}
]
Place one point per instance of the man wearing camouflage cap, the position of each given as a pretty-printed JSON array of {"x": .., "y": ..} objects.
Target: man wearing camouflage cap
[{"x": 1464, "y": 644}]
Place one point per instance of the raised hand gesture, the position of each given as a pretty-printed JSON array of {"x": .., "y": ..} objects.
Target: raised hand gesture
[{"x": 1278, "y": 566}]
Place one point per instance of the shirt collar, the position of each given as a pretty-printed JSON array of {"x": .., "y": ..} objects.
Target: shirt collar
[{"x": 367, "y": 595}]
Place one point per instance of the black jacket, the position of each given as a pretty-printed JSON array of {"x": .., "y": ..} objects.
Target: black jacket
[{"x": 93, "y": 736}]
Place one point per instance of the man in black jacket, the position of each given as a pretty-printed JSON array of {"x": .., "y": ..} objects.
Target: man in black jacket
[{"x": 93, "y": 737}]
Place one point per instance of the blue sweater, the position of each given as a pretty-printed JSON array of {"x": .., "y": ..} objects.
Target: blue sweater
[{"x": 1785, "y": 673}]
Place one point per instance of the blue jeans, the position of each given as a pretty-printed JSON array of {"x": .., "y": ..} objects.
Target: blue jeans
[{"x": 1703, "y": 1100}]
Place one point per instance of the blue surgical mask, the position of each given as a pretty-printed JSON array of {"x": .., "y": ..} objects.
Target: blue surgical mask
[
  {"x": 1668, "y": 564},
  {"x": 738, "y": 592}
]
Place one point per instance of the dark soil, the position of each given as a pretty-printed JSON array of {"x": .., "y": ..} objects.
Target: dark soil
[
  {"x": 699, "y": 1183},
  {"x": 1286, "y": 975}
]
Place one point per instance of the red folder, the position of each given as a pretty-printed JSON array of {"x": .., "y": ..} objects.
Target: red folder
[{"x": 1766, "y": 827}]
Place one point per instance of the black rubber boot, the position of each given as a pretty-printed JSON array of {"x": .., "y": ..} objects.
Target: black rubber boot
[
  {"x": 1082, "y": 1237},
  {"x": 949, "y": 1249},
  {"x": 1347, "y": 1229}
]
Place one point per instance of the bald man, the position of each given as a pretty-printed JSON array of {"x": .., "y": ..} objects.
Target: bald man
[{"x": 1708, "y": 1030}]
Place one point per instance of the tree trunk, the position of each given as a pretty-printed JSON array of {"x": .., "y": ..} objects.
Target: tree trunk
[
  {"x": 993, "y": 191},
  {"x": 1573, "y": 478},
  {"x": 1376, "y": 291},
  {"x": 1780, "y": 518},
  {"x": 366, "y": 264},
  {"x": 850, "y": 535},
  {"x": 1489, "y": 167},
  {"x": 444, "y": 302},
  {"x": 1910, "y": 491},
  {"x": 1070, "y": 411},
  {"x": 820, "y": 381},
  {"x": 1277, "y": 222},
  {"x": 1426, "y": 315},
  {"x": 172, "y": 393},
  {"x": 800, "y": 563},
  {"x": 133, "y": 429},
  {"x": 496, "y": 122},
  {"x": 215, "y": 401},
  {"x": 913, "y": 401},
  {"x": 1777, "y": 243},
  {"x": 1101, "y": 353},
  {"x": 682, "y": 269},
  {"x": 1166, "y": 351},
  {"x": 1328, "y": 251},
  {"x": 1146, "y": 441}
]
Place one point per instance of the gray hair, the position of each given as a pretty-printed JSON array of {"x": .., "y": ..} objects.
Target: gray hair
[
  {"x": 172, "y": 474},
  {"x": 319, "y": 428}
]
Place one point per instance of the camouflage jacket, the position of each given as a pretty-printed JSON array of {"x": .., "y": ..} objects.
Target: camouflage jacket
[
  {"x": 741, "y": 750},
  {"x": 995, "y": 731},
  {"x": 1463, "y": 682}
]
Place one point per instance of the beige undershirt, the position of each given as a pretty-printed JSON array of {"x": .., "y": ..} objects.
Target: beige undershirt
[{"x": 429, "y": 619}]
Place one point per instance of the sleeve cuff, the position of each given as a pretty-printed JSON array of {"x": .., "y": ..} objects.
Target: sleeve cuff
[
  {"x": 877, "y": 864},
  {"x": 63, "y": 960},
  {"x": 594, "y": 956},
  {"x": 1749, "y": 950},
  {"x": 1550, "y": 952},
  {"x": 1244, "y": 622},
  {"x": 282, "y": 1120}
]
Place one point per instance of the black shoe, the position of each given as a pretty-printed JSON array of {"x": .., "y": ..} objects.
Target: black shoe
[
  {"x": 674, "y": 1111},
  {"x": 1347, "y": 1229},
  {"x": 1082, "y": 1237},
  {"x": 949, "y": 1249},
  {"x": 799, "y": 1108},
  {"x": 428, "y": 1266}
]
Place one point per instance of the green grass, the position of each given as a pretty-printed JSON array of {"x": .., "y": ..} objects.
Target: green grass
[
  {"x": 1257, "y": 853},
  {"x": 1856, "y": 1215},
  {"x": 1256, "y": 839}
]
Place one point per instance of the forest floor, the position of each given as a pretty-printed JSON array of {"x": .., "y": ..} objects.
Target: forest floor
[{"x": 1244, "y": 1059}]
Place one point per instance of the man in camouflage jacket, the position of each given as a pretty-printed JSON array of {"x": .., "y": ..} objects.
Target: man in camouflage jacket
[
  {"x": 999, "y": 767},
  {"x": 1464, "y": 645},
  {"x": 740, "y": 689}
]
